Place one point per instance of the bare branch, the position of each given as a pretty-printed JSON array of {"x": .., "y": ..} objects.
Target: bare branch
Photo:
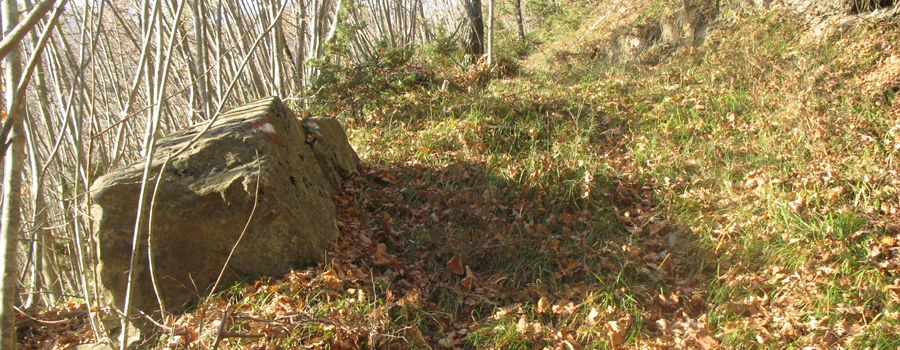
[{"x": 11, "y": 40}]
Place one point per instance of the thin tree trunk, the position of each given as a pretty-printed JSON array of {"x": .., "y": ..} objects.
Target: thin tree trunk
[
  {"x": 475, "y": 40},
  {"x": 12, "y": 183},
  {"x": 334, "y": 23},
  {"x": 520, "y": 22},
  {"x": 44, "y": 270},
  {"x": 43, "y": 275},
  {"x": 199, "y": 10},
  {"x": 219, "y": 53},
  {"x": 490, "y": 38},
  {"x": 301, "y": 47},
  {"x": 277, "y": 51}
]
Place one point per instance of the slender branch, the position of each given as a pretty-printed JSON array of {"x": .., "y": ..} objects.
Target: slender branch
[
  {"x": 11, "y": 40},
  {"x": 158, "y": 108},
  {"x": 23, "y": 82},
  {"x": 219, "y": 332}
]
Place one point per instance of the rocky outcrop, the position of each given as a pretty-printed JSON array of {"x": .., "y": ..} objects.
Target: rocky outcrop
[
  {"x": 684, "y": 25},
  {"x": 257, "y": 171}
]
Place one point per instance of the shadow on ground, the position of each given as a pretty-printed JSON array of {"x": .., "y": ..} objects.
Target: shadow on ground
[{"x": 472, "y": 255}]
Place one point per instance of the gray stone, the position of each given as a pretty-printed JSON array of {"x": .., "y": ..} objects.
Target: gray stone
[
  {"x": 206, "y": 198},
  {"x": 336, "y": 158}
]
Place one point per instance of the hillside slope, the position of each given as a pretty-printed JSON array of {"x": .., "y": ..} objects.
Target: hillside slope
[{"x": 658, "y": 177}]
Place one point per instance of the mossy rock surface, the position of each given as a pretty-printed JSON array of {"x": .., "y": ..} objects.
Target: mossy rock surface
[{"x": 258, "y": 155}]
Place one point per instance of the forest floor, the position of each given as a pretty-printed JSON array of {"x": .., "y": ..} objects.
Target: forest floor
[{"x": 738, "y": 194}]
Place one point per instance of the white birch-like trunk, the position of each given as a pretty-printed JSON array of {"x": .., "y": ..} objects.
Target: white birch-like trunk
[{"x": 10, "y": 216}]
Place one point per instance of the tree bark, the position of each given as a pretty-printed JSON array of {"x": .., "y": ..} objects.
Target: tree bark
[
  {"x": 490, "y": 38},
  {"x": 520, "y": 22},
  {"x": 12, "y": 183},
  {"x": 475, "y": 41},
  {"x": 277, "y": 51}
]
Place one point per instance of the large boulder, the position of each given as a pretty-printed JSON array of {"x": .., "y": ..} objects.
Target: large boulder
[{"x": 258, "y": 167}]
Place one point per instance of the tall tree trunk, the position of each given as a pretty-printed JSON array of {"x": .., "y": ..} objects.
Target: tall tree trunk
[
  {"x": 475, "y": 40},
  {"x": 520, "y": 22},
  {"x": 199, "y": 11},
  {"x": 12, "y": 183},
  {"x": 302, "y": 23},
  {"x": 277, "y": 50},
  {"x": 490, "y": 38}
]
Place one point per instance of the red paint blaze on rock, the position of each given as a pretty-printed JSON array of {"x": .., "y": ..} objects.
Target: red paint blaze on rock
[
  {"x": 260, "y": 123},
  {"x": 273, "y": 138},
  {"x": 265, "y": 125}
]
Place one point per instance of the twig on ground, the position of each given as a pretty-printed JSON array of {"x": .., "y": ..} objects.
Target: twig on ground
[{"x": 219, "y": 333}]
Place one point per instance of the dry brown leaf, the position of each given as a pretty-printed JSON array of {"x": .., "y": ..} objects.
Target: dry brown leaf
[
  {"x": 543, "y": 305},
  {"x": 564, "y": 310},
  {"x": 386, "y": 223},
  {"x": 788, "y": 331},
  {"x": 707, "y": 342},
  {"x": 381, "y": 260},
  {"x": 894, "y": 291},
  {"x": 447, "y": 343},
  {"x": 834, "y": 195},
  {"x": 467, "y": 283},
  {"x": 531, "y": 330},
  {"x": 331, "y": 278},
  {"x": 593, "y": 317},
  {"x": 417, "y": 335},
  {"x": 566, "y": 266},
  {"x": 616, "y": 333},
  {"x": 455, "y": 265}
]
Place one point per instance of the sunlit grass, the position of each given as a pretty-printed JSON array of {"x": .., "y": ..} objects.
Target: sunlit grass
[{"x": 739, "y": 190}]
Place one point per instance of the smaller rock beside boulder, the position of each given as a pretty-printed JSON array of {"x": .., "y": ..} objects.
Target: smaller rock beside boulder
[
  {"x": 257, "y": 167},
  {"x": 336, "y": 158}
]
